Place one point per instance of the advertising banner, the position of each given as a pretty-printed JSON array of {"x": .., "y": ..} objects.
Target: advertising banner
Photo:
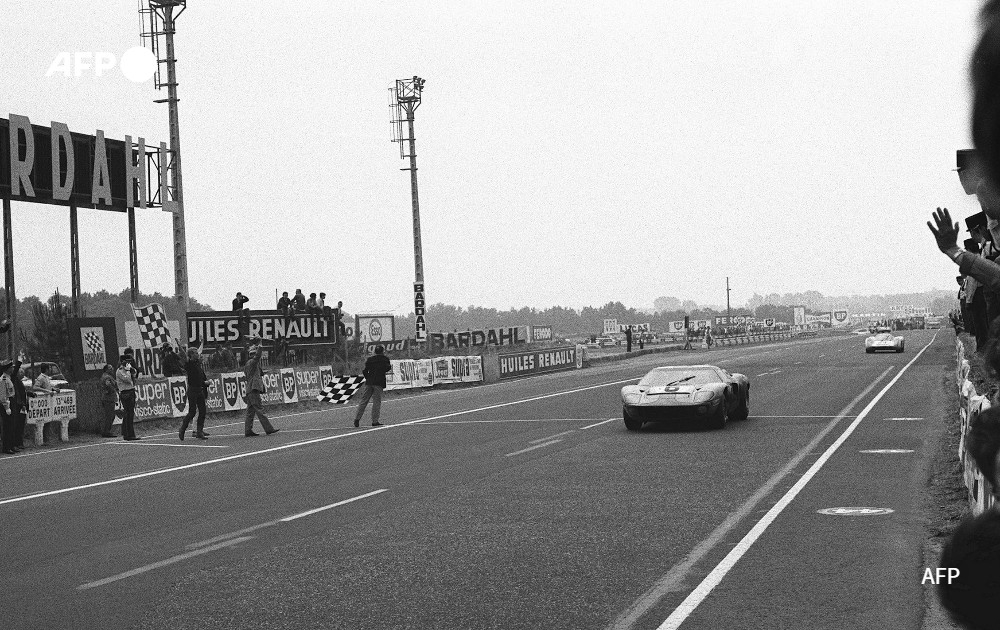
[
  {"x": 307, "y": 383},
  {"x": 425, "y": 372},
  {"x": 52, "y": 407},
  {"x": 823, "y": 317},
  {"x": 289, "y": 389},
  {"x": 91, "y": 341},
  {"x": 403, "y": 374},
  {"x": 841, "y": 318},
  {"x": 398, "y": 345},
  {"x": 213, "y": 402},
  {"x": 473, "y": 369},
  {"x": 610, "y": 326},
  {"x": 325, "y": 375},
  {"x": 420, "y": 328},
  {"x": 375, "y": 328},
  {"x": 478, "y": 338},
  {"x": 213, "y": 328},
  {"x": 147, "y": 361},
  {"x": 676, "y": 327},
  {"x": 152, "y": 399},
  {"x": 635, "y": 327},
  {"x": 232, "y": 398},
  {"x": 799, "y": 315},
  {"x": 540, "y": 333},
  {"x": 537, "y": 361},
  {"x": 178, "y": 396},
  {"x": 274, "y": 391}
]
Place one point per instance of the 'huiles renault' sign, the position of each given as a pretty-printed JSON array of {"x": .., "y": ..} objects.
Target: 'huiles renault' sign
[{"x": 57, "y": 166}]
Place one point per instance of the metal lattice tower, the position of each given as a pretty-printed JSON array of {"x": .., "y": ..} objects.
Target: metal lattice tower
[
  {"x": 404, "y": 99},
  {"x": 158, "y": 21}
]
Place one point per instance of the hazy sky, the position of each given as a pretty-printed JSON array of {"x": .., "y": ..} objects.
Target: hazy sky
[{"x": 569, "y": 153}]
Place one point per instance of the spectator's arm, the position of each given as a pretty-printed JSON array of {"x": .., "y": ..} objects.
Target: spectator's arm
[{"x": 986, "y": 272}]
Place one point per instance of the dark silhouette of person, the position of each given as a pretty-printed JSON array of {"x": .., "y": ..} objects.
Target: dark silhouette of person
[{"x": 375, "y": 370}]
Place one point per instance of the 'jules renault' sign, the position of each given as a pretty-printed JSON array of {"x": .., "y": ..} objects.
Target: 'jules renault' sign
[{"x": 57, "y": 166}]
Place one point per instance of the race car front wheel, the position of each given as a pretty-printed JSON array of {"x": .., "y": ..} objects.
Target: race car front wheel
[{"x": 630, "y": 423}]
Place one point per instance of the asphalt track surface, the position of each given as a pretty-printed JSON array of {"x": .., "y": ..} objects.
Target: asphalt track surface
[{"x": 516, "y": 505}]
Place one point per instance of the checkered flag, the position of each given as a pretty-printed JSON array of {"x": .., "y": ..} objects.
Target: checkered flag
[
  {"x": 94, "y": 342},
  {"x": 341, "y": 388},
  {"x": 152, "y": 325}
]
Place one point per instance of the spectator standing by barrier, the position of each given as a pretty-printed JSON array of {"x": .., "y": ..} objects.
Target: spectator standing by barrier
[
  {"x": 171, "y": 362},
  {"x": 255, "y": 387},
  {"x": 109, "y": 399},
  {"x": 6, "y": 411},
  {"x": 628, "y": 339},
  {"x": 197, "y": 393},
  {"x": 42, "y": 381},
  {"x": 376, "y": 367},
  {"x": 125, "y": 378},
  {"x": 20, "y": 406}
]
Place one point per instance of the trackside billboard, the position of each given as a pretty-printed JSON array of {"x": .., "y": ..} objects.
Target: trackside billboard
[{"x": 538, "y": 361}]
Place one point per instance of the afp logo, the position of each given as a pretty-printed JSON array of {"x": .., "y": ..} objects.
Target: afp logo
[{"x": 375, "y": 330}]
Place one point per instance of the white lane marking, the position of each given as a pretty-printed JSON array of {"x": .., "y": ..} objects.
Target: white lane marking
[
  {"x": 142, "y": 443},
  {"x": 162, "y": 563},
  {"x": 837, "y": 416},
  {"x": 706, "y": 586},
  {"x": 333, "y": 505},
  {"x": 508, "y": 420},
  {"x": 821, "y": 356},
  {"x": 96, "y": 484},
  {"x": 797, "y": 363},
  {"x": 905, "y": 419},
  {"x": 881, "y": 451},
  {"x": 531, "y": 448},
  {"x": 551, "y": 436},
  {"x": 676, "y": 577},
  {"x": 589, "y": 426}
]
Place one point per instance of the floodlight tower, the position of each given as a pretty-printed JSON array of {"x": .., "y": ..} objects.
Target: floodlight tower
[
  {"x": 158, "y": 19},
  {"x": 404, "y": 97}
]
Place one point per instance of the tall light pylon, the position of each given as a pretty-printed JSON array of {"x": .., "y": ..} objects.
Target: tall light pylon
[
  {"x": 162, "y": 16},
  {"x": 404, "y": 98}
]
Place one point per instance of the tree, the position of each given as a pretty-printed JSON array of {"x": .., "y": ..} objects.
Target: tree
[
  {"x": 49, "y": 339},
  {"x": 665, "y": 303}
]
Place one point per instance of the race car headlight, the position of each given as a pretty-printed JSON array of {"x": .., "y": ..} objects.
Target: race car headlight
[
  {"x": 632, "y": 398},
  {"x": 704, "y": 396}
]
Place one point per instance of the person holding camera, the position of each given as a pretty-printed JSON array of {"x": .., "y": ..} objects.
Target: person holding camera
[{"x": 126, "y": 378}]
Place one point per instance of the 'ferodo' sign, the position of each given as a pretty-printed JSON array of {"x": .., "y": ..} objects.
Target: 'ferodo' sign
[{"x": 537, "y": 361}]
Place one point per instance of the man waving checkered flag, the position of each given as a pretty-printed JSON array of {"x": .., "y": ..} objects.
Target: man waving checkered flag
[
  {"x": 341, "y": 388},
  {"x": 152, "y": 325}
]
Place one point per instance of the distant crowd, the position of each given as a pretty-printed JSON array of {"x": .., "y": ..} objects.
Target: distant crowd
[{"x": 297, "y": 304}]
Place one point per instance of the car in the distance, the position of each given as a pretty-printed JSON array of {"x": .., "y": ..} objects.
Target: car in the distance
[
  {"x": 884, "y": 341},
  {"x": 33, "y": 369},
  {"x": 603, "y": 342},
  {"x": 706, "y": 394}
]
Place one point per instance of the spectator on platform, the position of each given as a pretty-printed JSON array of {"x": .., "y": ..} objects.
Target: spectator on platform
[
  {"x": 299, "y": 301},
  {"x": 376, "y": 367},
  {"x": 338, "y": 315},
  {"x": 197, "y": 393},
  {"x": 284, "y": 303},
  {"x": 125, "y": 377},
  {"x": 255, "y": 389},
  {"x": 321, "y": 303},
  {"x": 311, "y": 306},
  {"x": 171, "y": 362},
  {"x": 109, "y": 400},
  {"x": 239, "y": 301},
  {"x": 6, "y": 409}
]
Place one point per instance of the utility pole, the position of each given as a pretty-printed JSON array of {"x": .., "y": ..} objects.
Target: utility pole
[
  {"x": 729, "y": 314},
  {"x": 162, "y": 17},
  {"x": 404, "y": 98}
]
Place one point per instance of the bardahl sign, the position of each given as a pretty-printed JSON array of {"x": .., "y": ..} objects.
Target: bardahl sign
[{"x": 54, "y": 165}]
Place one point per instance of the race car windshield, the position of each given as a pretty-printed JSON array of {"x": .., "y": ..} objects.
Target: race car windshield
[{"x": 663, "y": 378}]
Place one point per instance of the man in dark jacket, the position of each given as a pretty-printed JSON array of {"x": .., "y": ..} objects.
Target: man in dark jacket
[
  {"x": 255, "y": 388},
  {"x": 171, "y": 362},
  {"x": 197, "y": 393},
  {"x": 109, "y": 400},
  {"x": 376, "y": 368},
  {"x": 19, "y": 408}
]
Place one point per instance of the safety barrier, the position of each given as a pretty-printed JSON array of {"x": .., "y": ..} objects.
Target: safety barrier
[
  {"x": 970, "y": 405},
  {"x": 744, "y": 340}
]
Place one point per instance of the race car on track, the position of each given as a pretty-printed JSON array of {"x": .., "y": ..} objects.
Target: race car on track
[
  {"x": 883, "y": 339},
  {"x": 702, "y": 393}
]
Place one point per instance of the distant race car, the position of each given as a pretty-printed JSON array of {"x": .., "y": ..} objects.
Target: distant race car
[
  {"x": 883, "y": 339},
  {"x": 703, "y": 393}
]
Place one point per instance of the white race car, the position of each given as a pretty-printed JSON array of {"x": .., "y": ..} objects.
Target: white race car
[{"x": 883, "y": 339}]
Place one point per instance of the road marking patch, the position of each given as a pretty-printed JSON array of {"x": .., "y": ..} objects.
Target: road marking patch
[
  {"x": 881, "y": 451},
  {"x": 855, "y": 511},
  {"x": 904, "y": 419},
  {"x": 531, "y": 448}
]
